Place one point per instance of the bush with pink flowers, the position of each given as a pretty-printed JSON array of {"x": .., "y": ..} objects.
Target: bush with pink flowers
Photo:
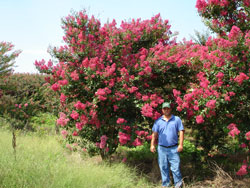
[{"x": 112, "y": 80}]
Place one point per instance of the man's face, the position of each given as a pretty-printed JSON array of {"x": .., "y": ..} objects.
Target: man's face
[{"x": 166, "y": 111}]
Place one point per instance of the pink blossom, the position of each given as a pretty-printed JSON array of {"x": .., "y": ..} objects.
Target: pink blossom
[
  {"x": 147, "y": 110},
  {"x": 211, "y": 104},
  {"x": 204, "y": 83},
  {"x": 145, "y": 97},
  {"x": 74, "y": 75},
  {"x": 97, "y": 144},
  {"x": 234, "y": 131},
  {"x": 196, "y": 108},
  {"x": 149, "y": 137},
  {"x": 176, "y": 92},
  {"x": 115, "y": 108},
  {"x": 199, "y": 119},
  {"x": 107, "y": 149},
  {"x": 227, "y": 98},
  {"x": 231, "y": 126},
  {"x": 243, "y": 145},
  {"x": 137, "y": 142},
  {"x": 79, "y": 125},
  {"x": 201, "y": 5},
  {"x": 242, "y": 171},
  {"x": 64, "y": 133},
  {"x": 55, "y": 87},
  {"x": 120, "y": 121},
  {"x": 246, "y": 3},
  {"x": 100, "y": 92},
  {"x": 124, "y": 159},
  {"x": 63, "y": 98},
  {"x": 62, "y": 120},
  {"x": 220, "y": 75},
  {"x": 75, "y": 133},
  {"x": 140, "y": 133},
  {"x": 25, "y": 104},
  {"x": 63, "y": 82},
  {"x": 74, "y": 115},
  {"x": 154, "y": 104},
  {"x": 123, "y": 138},
  {"x": 248, "y": 135},
  {"x": 103, "y": 141},
  {"x": 84, "y": 119},
  {"x": 102, "y": 98},
  {"x": 231, "y": 93},
  {"x": 234, "y": 33},
  {"x": 79, "y": 106},
  {"x": 132, "y": 89},
  {"x": 148, "y": 69},
  {"x": 240, "y": 78}
]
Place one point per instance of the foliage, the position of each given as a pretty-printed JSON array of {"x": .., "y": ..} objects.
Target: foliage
[
  {"x": 7, "y": 58},
  {"x": 201, "y": 38},
  {"x": 43, "y": 123},
  {"x": 25, "y": 95},
  {"x": 112, "y": 80},
  {"x": 42, "y": 162},
  {"x": 140, "y": 153},
  {"x": 21, "y": 87}
]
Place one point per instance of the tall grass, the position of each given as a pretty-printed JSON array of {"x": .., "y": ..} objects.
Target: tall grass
[{"x": 42, "y": 162}]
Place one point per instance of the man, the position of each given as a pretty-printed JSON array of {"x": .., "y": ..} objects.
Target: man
[{"x": 166, "y": 129}]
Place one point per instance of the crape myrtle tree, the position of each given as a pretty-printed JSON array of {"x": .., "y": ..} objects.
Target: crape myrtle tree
[
  {"x": 218, "y": 100},
  {"x": 7, "y": 58},
  {"x": 112, "y": 79}
]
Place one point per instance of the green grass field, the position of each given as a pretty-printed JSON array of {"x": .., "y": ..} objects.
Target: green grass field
[{"x": 42, "y": 162}]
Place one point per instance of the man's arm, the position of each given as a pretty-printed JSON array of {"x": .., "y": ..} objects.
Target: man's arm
[
  {"x": 181, "y": 139},
  {"x": 153, "y": 140}
]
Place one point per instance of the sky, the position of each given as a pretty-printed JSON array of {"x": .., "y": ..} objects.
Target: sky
[{"x": 34, "y": 25}]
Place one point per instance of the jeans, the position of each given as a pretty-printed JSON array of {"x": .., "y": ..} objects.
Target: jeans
[{"x": 169, "y": 158}]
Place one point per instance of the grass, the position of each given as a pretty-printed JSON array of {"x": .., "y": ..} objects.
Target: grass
[{"x": 42, "y": 162}]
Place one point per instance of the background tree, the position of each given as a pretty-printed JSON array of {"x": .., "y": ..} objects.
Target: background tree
[
  {"x": 7, "y": 58},
  {"x": 201, "y": 37}
]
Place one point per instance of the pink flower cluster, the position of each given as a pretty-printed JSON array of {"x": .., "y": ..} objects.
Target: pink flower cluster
[
  {"x": 62, "y": 120},
  {"x": 243, "y": 170},
  {"x": 248, "y": 135},
  {"x": 64, "y": 133},
  {"x": 74, "y": 115},
  {"x": 120, "y": 121},
  {"x": 233, "y": 129},
  {"x": 240, "y": 78},
  {"x": 104, "y": 139},
  {"x": 79, "y": 106},
  {"x": 102, "y": 93},
  {"x": 124, "y": 138}
]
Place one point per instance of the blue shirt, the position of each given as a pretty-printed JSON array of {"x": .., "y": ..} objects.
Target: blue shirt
[{"x": 168, "y": 130}]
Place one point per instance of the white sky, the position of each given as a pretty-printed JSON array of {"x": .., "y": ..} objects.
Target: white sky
[{"x": 33, "y": 25}]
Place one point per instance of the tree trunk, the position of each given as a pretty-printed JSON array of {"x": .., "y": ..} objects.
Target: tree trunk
[{"x": 14, "y": 142}]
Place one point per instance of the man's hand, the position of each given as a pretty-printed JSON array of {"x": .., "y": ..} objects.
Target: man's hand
[
  {"x": 152, "y": 148},
  {"x": 180, "y": 148},
  {"x": 154, "y": 136}
]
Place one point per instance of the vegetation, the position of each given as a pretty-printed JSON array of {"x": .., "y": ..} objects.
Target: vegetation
[
  {"x": 42, "y": 162},
  {"x": 108, "y": 88},
  {"x": 7, "y": 58}
]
